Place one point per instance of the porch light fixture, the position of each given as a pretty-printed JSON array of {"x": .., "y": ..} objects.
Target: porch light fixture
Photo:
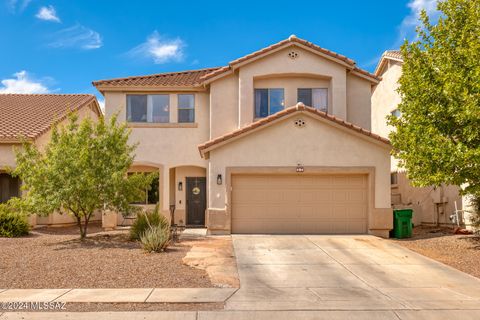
[
  {"x": 300, "y": 168},
  {"x": 219, "y": 179},
  {"x": 180, "y": 186}
]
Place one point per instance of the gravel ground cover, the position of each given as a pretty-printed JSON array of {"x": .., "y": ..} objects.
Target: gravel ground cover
[
  {"x": 55, "y": 257},
  {"x": 459, "y": 251}
]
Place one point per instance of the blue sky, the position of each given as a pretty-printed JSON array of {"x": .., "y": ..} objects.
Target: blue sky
[{"x": 61, "y": 46}]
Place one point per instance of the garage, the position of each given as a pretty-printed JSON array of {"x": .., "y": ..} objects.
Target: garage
[{"x": 299, "y": 203}]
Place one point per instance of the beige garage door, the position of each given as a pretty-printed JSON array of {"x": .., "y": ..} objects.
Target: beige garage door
[{"x": 299, "y": 204}]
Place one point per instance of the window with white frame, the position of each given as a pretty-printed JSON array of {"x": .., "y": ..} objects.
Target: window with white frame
[
  {"x": 154, "y": 108},
  {"x": 314, "y": 97},
  {"x": 268, "y": 101},
  {"x": 186, "y": 108}
]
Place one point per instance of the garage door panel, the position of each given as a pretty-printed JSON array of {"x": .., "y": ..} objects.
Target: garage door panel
[{"x": 298, "y": 204}]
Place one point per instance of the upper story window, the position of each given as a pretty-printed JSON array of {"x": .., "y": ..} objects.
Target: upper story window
[
  {"x": 396, "y": 113},
  {"x": 153, "y": 108},
  {"x": 186, "y": 108},
  {"x": 268, "y": 101},
  {"x": 314, "y": 97}
]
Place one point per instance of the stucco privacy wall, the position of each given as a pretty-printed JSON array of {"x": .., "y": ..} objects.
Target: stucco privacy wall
[
  {"x": 318, "y": 144},
  {"x": 165, "y": 145},
  {"x": 279, "y": 63}
]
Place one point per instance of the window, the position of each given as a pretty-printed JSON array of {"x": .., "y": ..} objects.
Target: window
[
  {"x": 9, "y": 187},
  {"x": 268, "y": 101},
  {"x": 186, "y": 108},
  {"x": 316, "y": 97},
  {"x": 148, "y": 108},
  {"x": 394, "y": 178},
  {"x": 151, "y": 195},
  {"x": 396, "y": 113}
]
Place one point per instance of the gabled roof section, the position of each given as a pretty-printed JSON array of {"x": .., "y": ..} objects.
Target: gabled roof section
[
  {"x": 348, "y": 63},
  {"x": 300, "y": 107},
  {"x": 191, "y": 78},
  {"x": 394, "y": 55},
  {"x": 31, "y": 115}
]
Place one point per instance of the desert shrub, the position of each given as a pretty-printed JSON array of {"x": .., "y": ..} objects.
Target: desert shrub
[
  {"x": 145, "y": 220},
  {"x": 155, "y": 238},
  {"x": 12, "y": 223},
  {"x": 475, "y": 214}
]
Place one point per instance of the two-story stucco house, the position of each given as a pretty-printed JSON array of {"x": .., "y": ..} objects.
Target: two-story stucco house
[
  {"x": 31, "y": 117},
  {"x": 277, "y": 141},
  {"x": 430, "y": 205}
]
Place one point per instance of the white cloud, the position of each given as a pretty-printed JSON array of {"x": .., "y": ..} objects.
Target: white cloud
[
  {"x": 159, "y": 49},
  {"x": 407, "y": 27},
  {"x": 48, "y": 14},
  {"x": 23, "y": 83},
  {"x": 21, "y": 5},
  {"x": 77, "y": 36}
]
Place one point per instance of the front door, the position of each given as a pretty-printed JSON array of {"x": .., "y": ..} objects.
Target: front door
[{"x": 196, "y": 200}]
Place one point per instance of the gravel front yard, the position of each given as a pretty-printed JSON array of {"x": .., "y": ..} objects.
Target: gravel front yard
[
  {"x": 56, "y": 258},
  {"x": 459, "y": 251}
]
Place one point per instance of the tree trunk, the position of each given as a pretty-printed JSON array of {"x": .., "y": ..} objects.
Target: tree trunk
[
  {"x": 79, "y": 224},
  {"x": 85, "y": 227}
]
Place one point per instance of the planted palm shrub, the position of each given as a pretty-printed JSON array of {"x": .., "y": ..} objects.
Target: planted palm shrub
[
  {"x": 146, "y": 220},
  {"x": 12, "y": 223},
  {"x": 155, "y": 238}
]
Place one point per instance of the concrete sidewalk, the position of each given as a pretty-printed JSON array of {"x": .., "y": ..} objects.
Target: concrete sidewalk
[
  {"x": 250, "y": 315},
  {"x": 167, "y": 295}
]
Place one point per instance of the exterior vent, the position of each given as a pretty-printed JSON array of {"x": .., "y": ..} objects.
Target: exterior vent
[
  {"x": 300, "y": 123},
  {"x": 293, "y": 55}
]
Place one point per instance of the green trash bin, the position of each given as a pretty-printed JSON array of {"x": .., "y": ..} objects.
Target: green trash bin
[{"x": 402, "y": 223}]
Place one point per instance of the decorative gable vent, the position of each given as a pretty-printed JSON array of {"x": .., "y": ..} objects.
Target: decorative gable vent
[
  {"x": 300, "y": 123},
  {"x": 293, "y": 55}
]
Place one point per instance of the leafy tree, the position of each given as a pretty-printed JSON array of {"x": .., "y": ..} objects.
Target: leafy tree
[
  {"x": 437, "y": 136},
  {"x": 82, "y": 169}
]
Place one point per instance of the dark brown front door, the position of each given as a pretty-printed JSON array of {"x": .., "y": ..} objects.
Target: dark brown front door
[{"x": 196, "y": 200}]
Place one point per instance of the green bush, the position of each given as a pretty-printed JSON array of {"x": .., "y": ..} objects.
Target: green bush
[
  {"x": 475, "y": 215},
  {"x": 145, "y": 220},
  {"x": 12, "y": 223},
  {"x": 155, "y": 238}
]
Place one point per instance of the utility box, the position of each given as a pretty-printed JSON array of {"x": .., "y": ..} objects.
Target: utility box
[{"x": 402, "y": 223}]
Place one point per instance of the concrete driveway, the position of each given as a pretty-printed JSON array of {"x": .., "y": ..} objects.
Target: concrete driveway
[{"x": 346, "y": 273}]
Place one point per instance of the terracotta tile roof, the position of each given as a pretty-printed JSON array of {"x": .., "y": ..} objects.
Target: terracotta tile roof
[
  {"x": 389, "y": 54},
  {"x": 299, "y": 107},
  {"x": 30, "y": 115},
  {"x": 291, "y": 39},
  {"x": 194, "y": 78},
  {"x": 189, "y": 78},
  {"x": 395, "y": 54}
]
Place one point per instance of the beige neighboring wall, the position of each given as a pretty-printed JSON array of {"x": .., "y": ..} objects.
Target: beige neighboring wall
[
  {"x": 318, "y": 145},
  {"x": 7, "y": 155},
  {"x": 165, "y": 145}
]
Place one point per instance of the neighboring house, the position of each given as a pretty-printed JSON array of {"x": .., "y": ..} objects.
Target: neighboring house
[
  {"x": 430, "y": 205},
  {"x": 30, "y": 117},
  {"x": 237, "y": 153}
]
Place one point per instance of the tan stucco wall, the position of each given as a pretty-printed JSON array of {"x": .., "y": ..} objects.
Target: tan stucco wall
[
  {"x": 280, "y": 64},
  {"x": 224, "y": 106},
  {"x": 165, "y": 147},
  {"x": 359, "y": 101},
  {"x": 7, "y": 155},
  {"x": 430, "y": 205},
  {"x": 318, "y": 144}
]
